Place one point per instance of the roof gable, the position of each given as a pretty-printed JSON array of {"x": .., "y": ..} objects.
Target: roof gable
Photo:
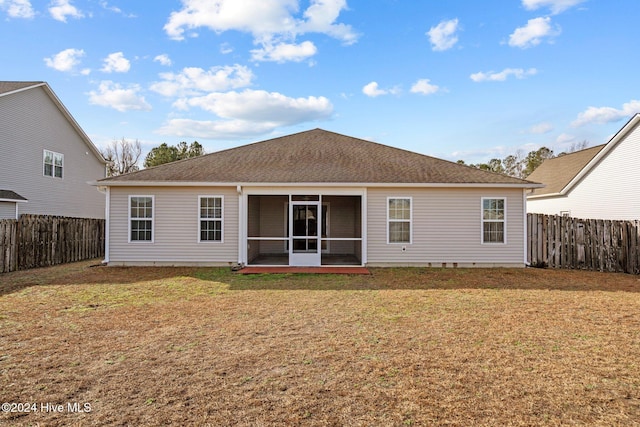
[
  {"x": 561, "y": 174},
  {"x": 557, "y": 172},
  {"x": 11, "y": 87},
  {"x": 315, "y": 156}
]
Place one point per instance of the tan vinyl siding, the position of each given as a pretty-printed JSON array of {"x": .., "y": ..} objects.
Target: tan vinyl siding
[
  {"x": 175, "y": 234},
  {"x": 30, "y": 122},
  {"x": 608, "y": 191},
  {"x": 446, "y": 228}
]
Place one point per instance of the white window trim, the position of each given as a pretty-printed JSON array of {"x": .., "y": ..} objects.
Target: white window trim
[
  {"x": 395, "y": 220},
  {"x": 216, "y": 219},
  {"x": 482, "y": 221},
  {"x": 53, "y": 170},
  {"x": 153, "y": 220}
]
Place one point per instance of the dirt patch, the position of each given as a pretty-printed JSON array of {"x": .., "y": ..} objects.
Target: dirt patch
[{"x": 147, "y": 346}]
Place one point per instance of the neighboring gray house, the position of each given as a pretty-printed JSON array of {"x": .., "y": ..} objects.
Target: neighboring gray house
[
  {"x": 316, "y": 198},
  {"x": 597, "y": 183},
  {"x": 46, "y": 159}
]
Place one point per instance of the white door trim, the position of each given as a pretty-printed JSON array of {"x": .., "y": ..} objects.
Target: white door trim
[{"x": 310, "y": 257}]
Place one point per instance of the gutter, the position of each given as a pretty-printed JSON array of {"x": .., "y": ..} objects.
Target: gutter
[{"x": 309, "y": 184}]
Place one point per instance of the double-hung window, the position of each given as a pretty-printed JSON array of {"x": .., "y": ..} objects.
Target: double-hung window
[
  {"x": 53, "y": 164},
  {"x": 493, "y": 220},
  {"x": 210, "y": 229},
  {"x": 399, "y": 220},
  {"x": 141, "y": 218}
]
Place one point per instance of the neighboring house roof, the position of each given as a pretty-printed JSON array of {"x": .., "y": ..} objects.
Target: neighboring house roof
[
  {"x": 561, "y": 174},
  {"x": 8, "y": 87},
  {"x": 315, "y": 156},
  {"x": 557, "y": 172},
  {"x": 11, "y": 196},
  {"x": 11, "y": 87}
]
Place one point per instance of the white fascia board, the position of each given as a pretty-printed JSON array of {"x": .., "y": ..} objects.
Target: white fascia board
[
  {"x": 307, "y": 184},
  {"x": 544, "y": 196},
  {"x": 22, "y": 89},
  {"x": 13, "y": 200}
]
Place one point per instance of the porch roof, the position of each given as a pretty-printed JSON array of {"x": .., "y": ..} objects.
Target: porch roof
[
  {"x": 315, "y": 156},
  {"x": 11, "y": 196}
]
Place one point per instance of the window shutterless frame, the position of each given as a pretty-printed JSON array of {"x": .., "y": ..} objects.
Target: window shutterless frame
[
  {"x": 493, "y": 220},
  {"x": 141, "y": 219},
  {"x": 52, "y": 164},
  {"x": 399, "y": 220},
  {"x": 211, "y": 215}
]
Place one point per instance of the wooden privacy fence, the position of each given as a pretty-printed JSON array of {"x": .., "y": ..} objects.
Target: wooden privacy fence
[
  {"x": 587, "y": 244},
  {"x": 40, "y": 241}
]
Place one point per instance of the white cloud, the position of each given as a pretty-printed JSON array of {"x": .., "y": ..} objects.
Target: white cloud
[
  {"x": 163, "y": 59},
  {"x": 532, "y": 34},
  {"x": 541, "y": 128},
  {"x": 556, "y": 6},
  {"x": 271, "y": 22},
  {"x": 284, "y": 52},
  {"x": 246, "y": 113},
  {"x": 603, "y": 115},
  {"x": 258, "y": 17},
  {"x": 212, "y": 129},
  {"x": 195, "y": 81},
  {"x": 113, "y": 95},
  {"x": 443, "y": 36},
  {"x": 262, "y": 106},
  {"x": 372, "y": 90},
  {"x": 424, "y": 87},
  {"x": 321, "y": 16},
  {"x": 61, "y": 9},
  {"x": 565, "y": 138},
  {"x": 115, "y": 9},
  {"x": 225, "y": 48},
  {"x": 17, "y": 8},
  {"x": 501, "y": 76},
  {"x": 116, "y": 63},
  {"x": 65, "y": 60}
]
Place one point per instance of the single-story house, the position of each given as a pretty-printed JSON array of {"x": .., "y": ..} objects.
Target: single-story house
[
  {"x": 601, "y": 182},
  {"x": 316, "y": 198}
]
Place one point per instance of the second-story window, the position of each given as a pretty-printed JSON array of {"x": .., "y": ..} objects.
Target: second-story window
[{"x": 53, "y": 164}]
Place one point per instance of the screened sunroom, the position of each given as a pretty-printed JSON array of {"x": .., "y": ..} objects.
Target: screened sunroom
[{"x": 304, "y": 230}]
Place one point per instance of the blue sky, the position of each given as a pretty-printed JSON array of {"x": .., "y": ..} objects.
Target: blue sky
[{"x": 456, "y": 79}]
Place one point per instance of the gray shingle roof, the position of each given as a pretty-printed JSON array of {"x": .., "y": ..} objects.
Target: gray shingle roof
[
  {"x": 6, "y": 87},
  {"x": 315, "y": 156},
  {"x": 11, "y": 195},
  {"x": 557, "y": 172}
]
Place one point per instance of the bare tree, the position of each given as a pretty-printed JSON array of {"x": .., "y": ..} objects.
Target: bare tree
[
  {"x": 122, "y": 156},
  {"x": 575, "y": 146}
]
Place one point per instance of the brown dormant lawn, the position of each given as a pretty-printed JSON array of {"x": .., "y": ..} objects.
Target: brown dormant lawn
[{"x": 197, "y": 346}]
